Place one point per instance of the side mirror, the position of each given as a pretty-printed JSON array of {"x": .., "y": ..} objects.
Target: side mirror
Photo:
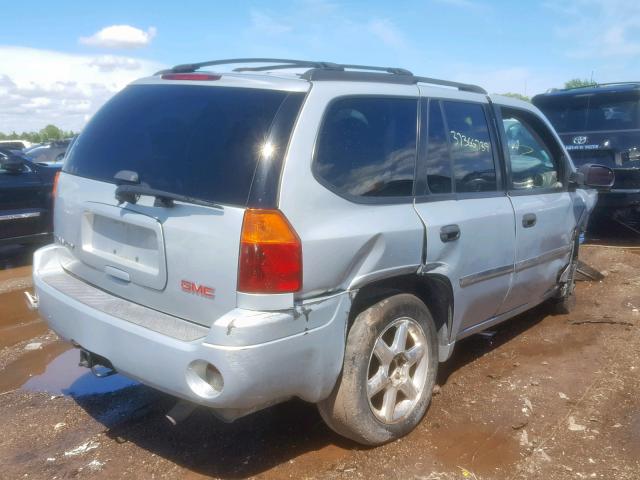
[
  {"x": 13, "y": 164},
  {"x": 593, "y": 176}
]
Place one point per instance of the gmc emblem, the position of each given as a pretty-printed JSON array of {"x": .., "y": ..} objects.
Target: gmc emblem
[{"x": 195, "y": 289}]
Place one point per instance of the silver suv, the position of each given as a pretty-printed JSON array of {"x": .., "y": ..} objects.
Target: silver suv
[{"x": 328, "y": 233}]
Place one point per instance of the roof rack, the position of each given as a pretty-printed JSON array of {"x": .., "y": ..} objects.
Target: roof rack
[
  {"x": 328, "y": 71},
  {"x": 617, "y": 83},
  {"x": 593, "y": 85}
]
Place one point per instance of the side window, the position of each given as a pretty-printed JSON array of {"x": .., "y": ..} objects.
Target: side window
[
  {"x": 438, "y": 159},
  {"x": 367, "y": 146},
  {"x": 3, "y": 170},
  {"x": 531, "y": 158},
  {"x": 474, "y": 168}
]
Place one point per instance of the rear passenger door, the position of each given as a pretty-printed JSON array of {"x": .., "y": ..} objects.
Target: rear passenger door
[
  {"x": 537, "y": 187},
  {"x": 468, "y": 218}
]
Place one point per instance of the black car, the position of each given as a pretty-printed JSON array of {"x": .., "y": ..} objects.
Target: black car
[
  {"x": 13, "y": 144},
  {"x": 601, "y": 124},
  {"x": 26, "y": 201}
]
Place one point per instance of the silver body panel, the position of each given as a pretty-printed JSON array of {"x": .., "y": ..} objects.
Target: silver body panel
[
  {"x": 306, "y": 343},
  {"x": 480, "y": 282},
  {"x": 343, "y": 243},
  {"x": 113, "y": 281},
  {"x": 541, "y": 250},
  {"x": 158, "y": 249}
]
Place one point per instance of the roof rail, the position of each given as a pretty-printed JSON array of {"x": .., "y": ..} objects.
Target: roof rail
[
  {"x": 192, "y": 67},
  {"x": 328, "y": 71},
  {"x": 617, "y": 83},
  {"x": 592, "y": 85},
  {"x": 467, "y": 87}
]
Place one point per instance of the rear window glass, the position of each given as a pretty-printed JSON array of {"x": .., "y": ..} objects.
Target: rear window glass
[
  {"x": 474, "y": 169},
  {"x": 438, "y": 161},
  {"x": 199, "y": 141},
  {"x": 587, "y": 113},
  {"x": 367, "y": 146}
]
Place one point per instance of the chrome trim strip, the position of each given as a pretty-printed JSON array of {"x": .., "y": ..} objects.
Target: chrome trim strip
[
  {"x": 545, "y": 257},
  {"x": 18, "y": 216},
  {"x": 522, "y": 265},
  {"x": 486, "y": 275}
]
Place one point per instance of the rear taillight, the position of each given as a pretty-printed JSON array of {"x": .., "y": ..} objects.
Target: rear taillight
[
  {"x": 270, "y": 254},
  {"x": 54, "y": 190},
  {"x": 190, "y": 76}
]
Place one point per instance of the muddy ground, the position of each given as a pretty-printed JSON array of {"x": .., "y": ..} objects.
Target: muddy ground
[{"x": 547, "y": 397}]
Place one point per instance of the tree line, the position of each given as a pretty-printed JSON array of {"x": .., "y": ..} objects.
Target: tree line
[{"x": 47, "y": 134}]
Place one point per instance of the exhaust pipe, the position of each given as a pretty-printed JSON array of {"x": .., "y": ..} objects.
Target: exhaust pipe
[{"x": 180, "y": 412}]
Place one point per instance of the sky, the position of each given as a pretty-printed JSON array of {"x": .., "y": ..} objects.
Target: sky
[{"x": 59, "y": 62}]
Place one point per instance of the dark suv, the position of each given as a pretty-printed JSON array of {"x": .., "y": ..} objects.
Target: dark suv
[{"x": 601, "y": 124}]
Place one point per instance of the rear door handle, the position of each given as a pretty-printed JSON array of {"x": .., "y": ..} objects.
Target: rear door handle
[
  {"x": 450, "y": 233},
  {"x": 529, "y": 220}
]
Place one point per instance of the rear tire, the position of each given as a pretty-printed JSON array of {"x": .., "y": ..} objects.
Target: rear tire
[{"x": 389, "y": 370}]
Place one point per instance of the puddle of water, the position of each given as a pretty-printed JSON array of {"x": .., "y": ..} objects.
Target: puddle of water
[
  {"x": 9, "y": 276},
  {"x": 317, "y": 459},
  {"x": 17, "y": 322},
  {"x": 54, "y": 369},
  {"x": 63, "y": 376},
  {"x": 476, "y": 449},
  {"x": 11, "y": 335},
  {"x": 31, "y": 363},
  {"x": 14, "y": 311}
]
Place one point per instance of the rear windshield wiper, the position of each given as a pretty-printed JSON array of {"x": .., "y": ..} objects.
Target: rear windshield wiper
[{"x": 131, "y": 193}]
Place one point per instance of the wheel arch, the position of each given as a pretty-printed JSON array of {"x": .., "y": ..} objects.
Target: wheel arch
[{"x": 434, "y": 289}]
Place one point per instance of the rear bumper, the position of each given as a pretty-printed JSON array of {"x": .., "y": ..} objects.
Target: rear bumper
[{"x": 255, "y": 375}]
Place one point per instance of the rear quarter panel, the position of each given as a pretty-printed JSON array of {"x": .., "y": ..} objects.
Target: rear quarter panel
[{"x": 344, "y": 244}]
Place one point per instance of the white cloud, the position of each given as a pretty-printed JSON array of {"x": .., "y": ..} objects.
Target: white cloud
[
  {"x": 120, "y": 36},
  {"x": 386, "y": 31},
  {"x": 265, "y": 23},
  {"x": 110, "y": 63},
  {"x": 325, "y": 30},
  {"x": 598, "y": 29},
  {"x": 38, "y": 87},
  {"x": 468, "y": 4},
  {"x": 516, "y": 79}
]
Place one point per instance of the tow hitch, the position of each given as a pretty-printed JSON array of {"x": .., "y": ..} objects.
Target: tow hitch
[{"x": 93, "y": 361}]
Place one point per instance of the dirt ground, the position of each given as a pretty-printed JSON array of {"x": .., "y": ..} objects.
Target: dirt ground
[{"x": 549, "y": 397}]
